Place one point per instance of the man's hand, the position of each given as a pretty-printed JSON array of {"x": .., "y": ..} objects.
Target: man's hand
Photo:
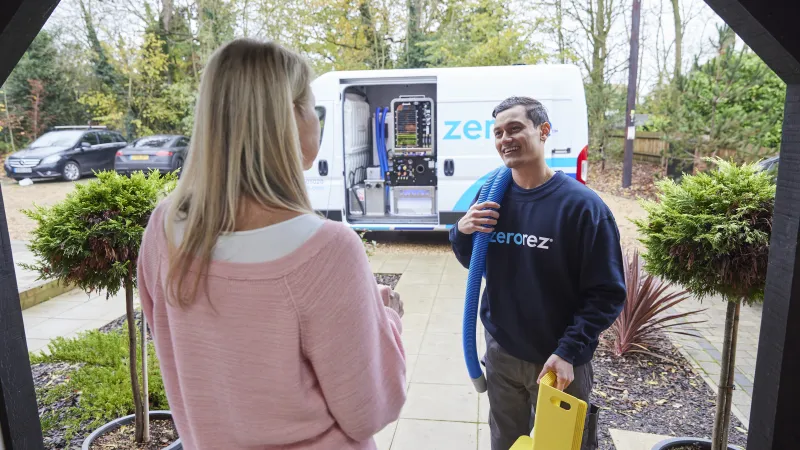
[
  {"x": 562, "y": 369},
  {"x": 479, "y": 215}
]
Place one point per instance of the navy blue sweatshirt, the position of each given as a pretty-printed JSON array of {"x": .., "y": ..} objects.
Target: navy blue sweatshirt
[{"x": 554, "y": 271}]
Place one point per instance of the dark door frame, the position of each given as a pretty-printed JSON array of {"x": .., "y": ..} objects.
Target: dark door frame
[{"x": 769, "y": 27}]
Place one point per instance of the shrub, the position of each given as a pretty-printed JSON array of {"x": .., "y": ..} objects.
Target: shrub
[
  {"x": 642, "y": 318},
  {"x": 710, "y": 233},
  {"x": 102, "y": 383},
  {"x": 369, "y": 246},
  {"x": 92, "y": 240}
]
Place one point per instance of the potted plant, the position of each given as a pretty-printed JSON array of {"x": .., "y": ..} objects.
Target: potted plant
[
  {"x": 91, "y": 239},
  {"x": 710, "y": 233}
]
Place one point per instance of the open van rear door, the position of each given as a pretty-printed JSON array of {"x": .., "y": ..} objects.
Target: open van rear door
[{"x": 319, "y": 177}]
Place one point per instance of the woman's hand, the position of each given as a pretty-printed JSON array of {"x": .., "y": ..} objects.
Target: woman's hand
[{"x": 391, "y": 299}]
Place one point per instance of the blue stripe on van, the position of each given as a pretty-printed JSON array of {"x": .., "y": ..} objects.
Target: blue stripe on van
[
  {"x": 557, "y": 163},
  {"x": 469, "y": 195},
  {"x": 371, "y": 228},
  {"x": 466, "y": 198}
]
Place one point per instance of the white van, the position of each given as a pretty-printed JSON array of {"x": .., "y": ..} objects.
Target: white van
[{"x": 409, "y": 149}]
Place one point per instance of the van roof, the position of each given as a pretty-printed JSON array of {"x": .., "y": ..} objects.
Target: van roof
[{"x": 541, "y": 81}]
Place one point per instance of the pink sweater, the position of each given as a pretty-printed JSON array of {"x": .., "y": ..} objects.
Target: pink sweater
[{"x": 296, "y": 353}]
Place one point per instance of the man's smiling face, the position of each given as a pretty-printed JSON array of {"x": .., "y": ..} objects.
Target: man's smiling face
[{"x": 517, "y": 140}]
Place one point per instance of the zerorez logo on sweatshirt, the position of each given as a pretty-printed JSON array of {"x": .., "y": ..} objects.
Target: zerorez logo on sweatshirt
[{"x": 528, "y": 240}]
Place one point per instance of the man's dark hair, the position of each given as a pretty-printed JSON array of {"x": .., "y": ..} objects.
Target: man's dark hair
[{"x": 534, "y": 109}]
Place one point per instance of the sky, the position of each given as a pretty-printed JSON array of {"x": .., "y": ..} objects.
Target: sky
[{"x": 656, "y": 36}]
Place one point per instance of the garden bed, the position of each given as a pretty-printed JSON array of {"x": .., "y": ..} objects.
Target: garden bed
[
  {"x": 648, "y": 394},
  {"x": 84, "y": 383},
  {"x": 643, "y": 177}
]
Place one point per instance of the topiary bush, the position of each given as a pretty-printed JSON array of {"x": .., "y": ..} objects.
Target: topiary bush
[
  {"x": 92, "y": 238},
  {"x": 710, "y": 233}
]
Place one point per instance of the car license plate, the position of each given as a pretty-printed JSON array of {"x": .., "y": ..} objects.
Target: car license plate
[
  {"x": 22, "y": 170},
  {"x": 140, "y": 157}
]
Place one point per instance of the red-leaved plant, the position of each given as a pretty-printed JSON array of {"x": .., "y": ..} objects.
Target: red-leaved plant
[{"x": 642, "y": 316}]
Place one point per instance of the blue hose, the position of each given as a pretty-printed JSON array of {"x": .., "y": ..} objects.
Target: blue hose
[
  {"x": 492, "y": 191},
  {"x": 383, "y": 151},
  {"x": 378, "y": 139}
]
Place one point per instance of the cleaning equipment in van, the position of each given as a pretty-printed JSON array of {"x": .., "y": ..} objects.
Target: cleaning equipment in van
[
  {"x": 492, "y": 191},
  {"x": 559, "y": 420},
  {"x": 380, "y": 119}
]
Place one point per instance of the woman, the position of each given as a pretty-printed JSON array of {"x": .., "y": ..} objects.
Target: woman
[{"x": 270, "y": 329}]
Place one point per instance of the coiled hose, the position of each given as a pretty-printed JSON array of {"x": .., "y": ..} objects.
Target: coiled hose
[{"x": 492, "y": 191}]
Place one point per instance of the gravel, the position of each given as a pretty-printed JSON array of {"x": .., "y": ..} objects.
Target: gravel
[
  {"x": 41, "y": 193},
  {"x": 48, "y": 375},
  {"x": 648, "y": 394},
  {"x": 162, "y": 434},
  {"x": 388, "y": 279}
]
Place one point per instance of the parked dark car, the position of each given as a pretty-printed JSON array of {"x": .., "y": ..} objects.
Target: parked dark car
[
  {"x": 165, "y": 153},
  {"x": 66, "y": 153}
]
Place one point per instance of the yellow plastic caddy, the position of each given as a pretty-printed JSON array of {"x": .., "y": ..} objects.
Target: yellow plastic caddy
[{"x": 559, "y": 420}]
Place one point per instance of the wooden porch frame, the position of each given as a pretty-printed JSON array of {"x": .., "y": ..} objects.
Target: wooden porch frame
[{"x": 769, "y": 27}]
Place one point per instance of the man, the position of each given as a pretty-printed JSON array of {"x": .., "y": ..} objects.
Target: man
[{"x": 554, "y": 276}]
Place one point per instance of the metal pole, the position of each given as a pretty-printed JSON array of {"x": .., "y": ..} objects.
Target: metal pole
[{"x": 633, "y": 68}]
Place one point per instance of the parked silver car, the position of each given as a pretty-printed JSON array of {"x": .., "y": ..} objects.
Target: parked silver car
[{"x": 164, "y": 152}]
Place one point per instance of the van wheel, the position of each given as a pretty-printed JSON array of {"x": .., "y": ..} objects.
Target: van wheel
[{"x": 71, "y": 172}]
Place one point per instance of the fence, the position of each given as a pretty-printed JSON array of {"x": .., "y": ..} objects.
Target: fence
[{"x": 652, "y": 147}]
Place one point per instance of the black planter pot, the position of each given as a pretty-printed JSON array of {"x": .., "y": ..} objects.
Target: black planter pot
[
  {"x": 669, "y": 444},
  {"x": 107, "y": 428}
]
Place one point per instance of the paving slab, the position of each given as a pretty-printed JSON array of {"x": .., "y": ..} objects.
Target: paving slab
[{"x": 630, "y": 440}]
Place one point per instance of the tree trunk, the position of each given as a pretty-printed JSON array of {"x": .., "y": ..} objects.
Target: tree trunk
[
  {"x": 145, "y": 387},
  {"x": 562, "y": 47},
  {"x": 725, "y": 391},
  {"x": 676, "y": 15},
  {"x": 137, "y": 397},
  {"x": 597, "y": 75},
  {"x": 8, "y": 116},
  {"x": 413, "y": 34}
]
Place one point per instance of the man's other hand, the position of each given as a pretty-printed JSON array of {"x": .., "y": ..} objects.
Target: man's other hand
[
  {"x": 478, "y": 216},
  {"x": 562, "y": 369}
]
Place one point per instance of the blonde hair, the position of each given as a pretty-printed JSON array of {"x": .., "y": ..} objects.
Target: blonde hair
[{"x": 245, "y": 143}]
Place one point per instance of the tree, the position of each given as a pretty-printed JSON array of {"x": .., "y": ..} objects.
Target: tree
[
  {"x": 676, "y": 19},
  {"x": 415, "y": 36},
  {"x": 480, "y": 33},
  {"x": 596, "y": 19},
  {"x": 710, "y": 233},
  {"x": 215, "y": 22},
  {"x": 45, "y": 64},
  {"x": 35, "y": 116},
  {"x": 92, "y": 240},
  {"x": 731, "y": 102}
]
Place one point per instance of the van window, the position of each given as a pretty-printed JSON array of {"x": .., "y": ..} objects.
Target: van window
[{"x": 321, "y": 116}]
